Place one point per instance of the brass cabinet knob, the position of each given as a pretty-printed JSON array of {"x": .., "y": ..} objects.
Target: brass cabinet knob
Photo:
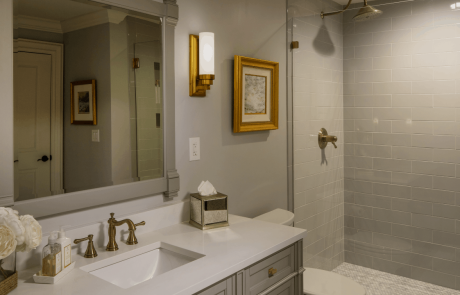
[
  {"x": 271, "y": 272},
  {"x": 90, "y": 250},
  {"x": 324, "y": 139}
]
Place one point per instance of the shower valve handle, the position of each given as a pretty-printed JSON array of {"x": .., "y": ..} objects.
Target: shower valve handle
[{"x": 324, "y": 139}]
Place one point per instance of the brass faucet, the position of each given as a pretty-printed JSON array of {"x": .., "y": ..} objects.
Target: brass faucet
[
  {"x": 90, "y": 250},
  {"x": 113, "y": 223}
]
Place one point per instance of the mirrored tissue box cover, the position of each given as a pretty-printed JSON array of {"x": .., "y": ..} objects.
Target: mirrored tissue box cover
[{"x": 208, "y": 212}]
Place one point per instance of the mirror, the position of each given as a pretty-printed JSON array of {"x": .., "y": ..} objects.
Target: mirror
[{"x": 90, "y": 113}]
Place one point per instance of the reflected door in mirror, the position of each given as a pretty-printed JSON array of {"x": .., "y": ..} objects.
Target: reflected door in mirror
[{"x": 32, "y": 86}]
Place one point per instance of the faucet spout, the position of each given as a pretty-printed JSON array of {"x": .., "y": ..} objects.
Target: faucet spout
[{"x": 113, "y": 223}]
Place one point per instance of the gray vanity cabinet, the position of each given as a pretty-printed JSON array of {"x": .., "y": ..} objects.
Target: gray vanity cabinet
[
  {"x": 225, "y": 287},
  {"x": 277, "y": 274},
  {"x": 287, "y": 288}
]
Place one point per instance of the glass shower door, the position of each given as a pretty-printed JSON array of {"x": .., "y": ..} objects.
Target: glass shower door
[{"x": 148, "y": 106}]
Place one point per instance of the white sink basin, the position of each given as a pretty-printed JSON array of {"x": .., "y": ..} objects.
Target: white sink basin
[{"x": 132, "y": 268}]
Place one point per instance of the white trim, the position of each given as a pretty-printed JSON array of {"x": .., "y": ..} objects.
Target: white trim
[
  {"x": 92, "y": 19},
  {"x": 36, "y": 23},
  {"x": 57, "y": 80},
  {"x": 146, "y": 7}
]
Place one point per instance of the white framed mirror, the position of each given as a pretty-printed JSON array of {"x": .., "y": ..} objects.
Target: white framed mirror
[{"x": 88, "y": 115}]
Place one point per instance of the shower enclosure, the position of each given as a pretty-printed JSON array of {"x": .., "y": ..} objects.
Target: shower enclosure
[
  {"x": 388, "y": 198},
  {"x": 148, "y": 107},
  {"x": 146, "y": 101}
]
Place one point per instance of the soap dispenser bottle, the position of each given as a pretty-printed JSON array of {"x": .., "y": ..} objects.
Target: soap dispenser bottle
[
  {"x": 52, "y": 256},
  {"x": 66, "y": 246}
]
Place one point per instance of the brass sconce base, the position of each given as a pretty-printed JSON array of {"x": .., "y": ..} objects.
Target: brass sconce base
[{"x": 198, "y": 84}]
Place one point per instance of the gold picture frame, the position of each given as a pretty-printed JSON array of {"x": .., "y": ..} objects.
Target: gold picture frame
[
  {"x": 83, "y": 102},
  {"x": 256, "y": 94}
]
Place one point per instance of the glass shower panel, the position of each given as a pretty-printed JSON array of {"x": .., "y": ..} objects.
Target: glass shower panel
[
  {"x": 149, "y": 110},
  {"x": 402, "y": 139},
  {"x": 317, "y": 102}
]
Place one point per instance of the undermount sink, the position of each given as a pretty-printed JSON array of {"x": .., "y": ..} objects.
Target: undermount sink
[{"x": 132, "y": 268}]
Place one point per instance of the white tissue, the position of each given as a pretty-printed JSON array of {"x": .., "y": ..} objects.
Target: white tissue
[{"x": 206, "y": 189}]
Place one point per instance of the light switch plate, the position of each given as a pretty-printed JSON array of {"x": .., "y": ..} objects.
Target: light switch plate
[
  {"x": 95, "y": 135},
  {"x": 194, "y": 148}
]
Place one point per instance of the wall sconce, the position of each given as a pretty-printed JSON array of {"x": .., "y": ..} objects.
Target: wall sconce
[{"x": 201, "y": 63}]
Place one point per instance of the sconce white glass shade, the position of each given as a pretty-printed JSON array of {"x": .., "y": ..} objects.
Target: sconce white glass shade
[{"x": 206, "y": 57}]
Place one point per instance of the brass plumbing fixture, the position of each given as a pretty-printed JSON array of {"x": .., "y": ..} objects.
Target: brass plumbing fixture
[
  {"x": 113, "y": 223},
  {"x": 336, "y": 12},
  {"x": 90, "y": 250},
  {"x": 324, "y": 139},
  {"x": 367, "y": 12}
]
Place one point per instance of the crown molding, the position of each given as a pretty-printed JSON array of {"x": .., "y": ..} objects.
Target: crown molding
[
  {"x": 36, "y": 23},
  {"x": 93, "y": 19},
  {"x": 73, "y": 24},
  {"x": 171, "y": 21}
]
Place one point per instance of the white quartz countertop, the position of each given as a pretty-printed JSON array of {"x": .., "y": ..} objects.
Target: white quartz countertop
[{"x": 227, "y": 250}]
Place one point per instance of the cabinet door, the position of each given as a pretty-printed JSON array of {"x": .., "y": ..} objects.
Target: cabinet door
[
  {"x": 224, "y": 287},
  {"x": 287, "y": 288}
]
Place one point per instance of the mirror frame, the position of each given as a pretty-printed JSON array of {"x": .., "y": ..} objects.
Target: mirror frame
[{"x": 168, "y": 185}]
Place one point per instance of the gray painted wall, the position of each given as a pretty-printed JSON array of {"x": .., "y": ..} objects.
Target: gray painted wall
[
  {"x": 402, "y": 150},
  {"x": 251, "y": 167},
  {"x": 87, "y": 56},
  {"x": 255, "y": 185}
]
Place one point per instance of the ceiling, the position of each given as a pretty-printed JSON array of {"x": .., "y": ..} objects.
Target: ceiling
[{"x": 59, "y": 10}]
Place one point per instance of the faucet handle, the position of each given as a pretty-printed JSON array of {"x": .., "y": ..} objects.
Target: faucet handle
[
  {"x": 90, "y": 250},
  {"x": 324, "y": 139},
  {"x": 112, "y": 214},
  {"x": 140, "y": 223},
  {"x": 132, "y": 240}
]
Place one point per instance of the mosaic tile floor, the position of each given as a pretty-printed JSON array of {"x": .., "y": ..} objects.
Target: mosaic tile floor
[{"x": 381, "y": 283}]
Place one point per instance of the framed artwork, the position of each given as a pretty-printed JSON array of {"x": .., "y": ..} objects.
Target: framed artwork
[
  {"x": 83, "y": 102},
  {"x": 255, "y": 104}
]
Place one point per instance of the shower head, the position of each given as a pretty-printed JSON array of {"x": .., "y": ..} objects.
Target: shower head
[{"x": 366, "y": 13}]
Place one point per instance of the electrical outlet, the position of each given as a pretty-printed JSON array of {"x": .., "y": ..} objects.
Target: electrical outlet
[
  {"x": 95, "y": 135},
  {"x": 194, "y": 148}
]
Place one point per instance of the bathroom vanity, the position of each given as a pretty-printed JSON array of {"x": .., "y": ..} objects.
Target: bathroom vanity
[{"x": 248, "y": 257}]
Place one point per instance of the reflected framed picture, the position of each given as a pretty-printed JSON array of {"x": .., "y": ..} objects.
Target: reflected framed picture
[
  {"x": 83, "y": 102},
  {"x": 256, "y": 87}
]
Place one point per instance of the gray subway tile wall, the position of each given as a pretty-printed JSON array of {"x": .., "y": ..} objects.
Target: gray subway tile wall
[
  {"x": 318, "y": 103},
  {"x": 389, "y": 197},
  {"x": 402, "y": 140}
]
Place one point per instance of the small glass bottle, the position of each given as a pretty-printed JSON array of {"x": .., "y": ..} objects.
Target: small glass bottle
[{"x": 52, "y": 256}]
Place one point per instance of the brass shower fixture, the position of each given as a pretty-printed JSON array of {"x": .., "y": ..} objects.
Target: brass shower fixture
[
  {"x": 367, "y": 12},
  {"x": 336, "y": 12}
]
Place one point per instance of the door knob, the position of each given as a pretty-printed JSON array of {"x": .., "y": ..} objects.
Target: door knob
[{"x": 44, "y": 159}]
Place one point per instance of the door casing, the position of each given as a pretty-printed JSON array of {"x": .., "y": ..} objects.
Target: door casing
[{"x": 55, "y": 50}]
